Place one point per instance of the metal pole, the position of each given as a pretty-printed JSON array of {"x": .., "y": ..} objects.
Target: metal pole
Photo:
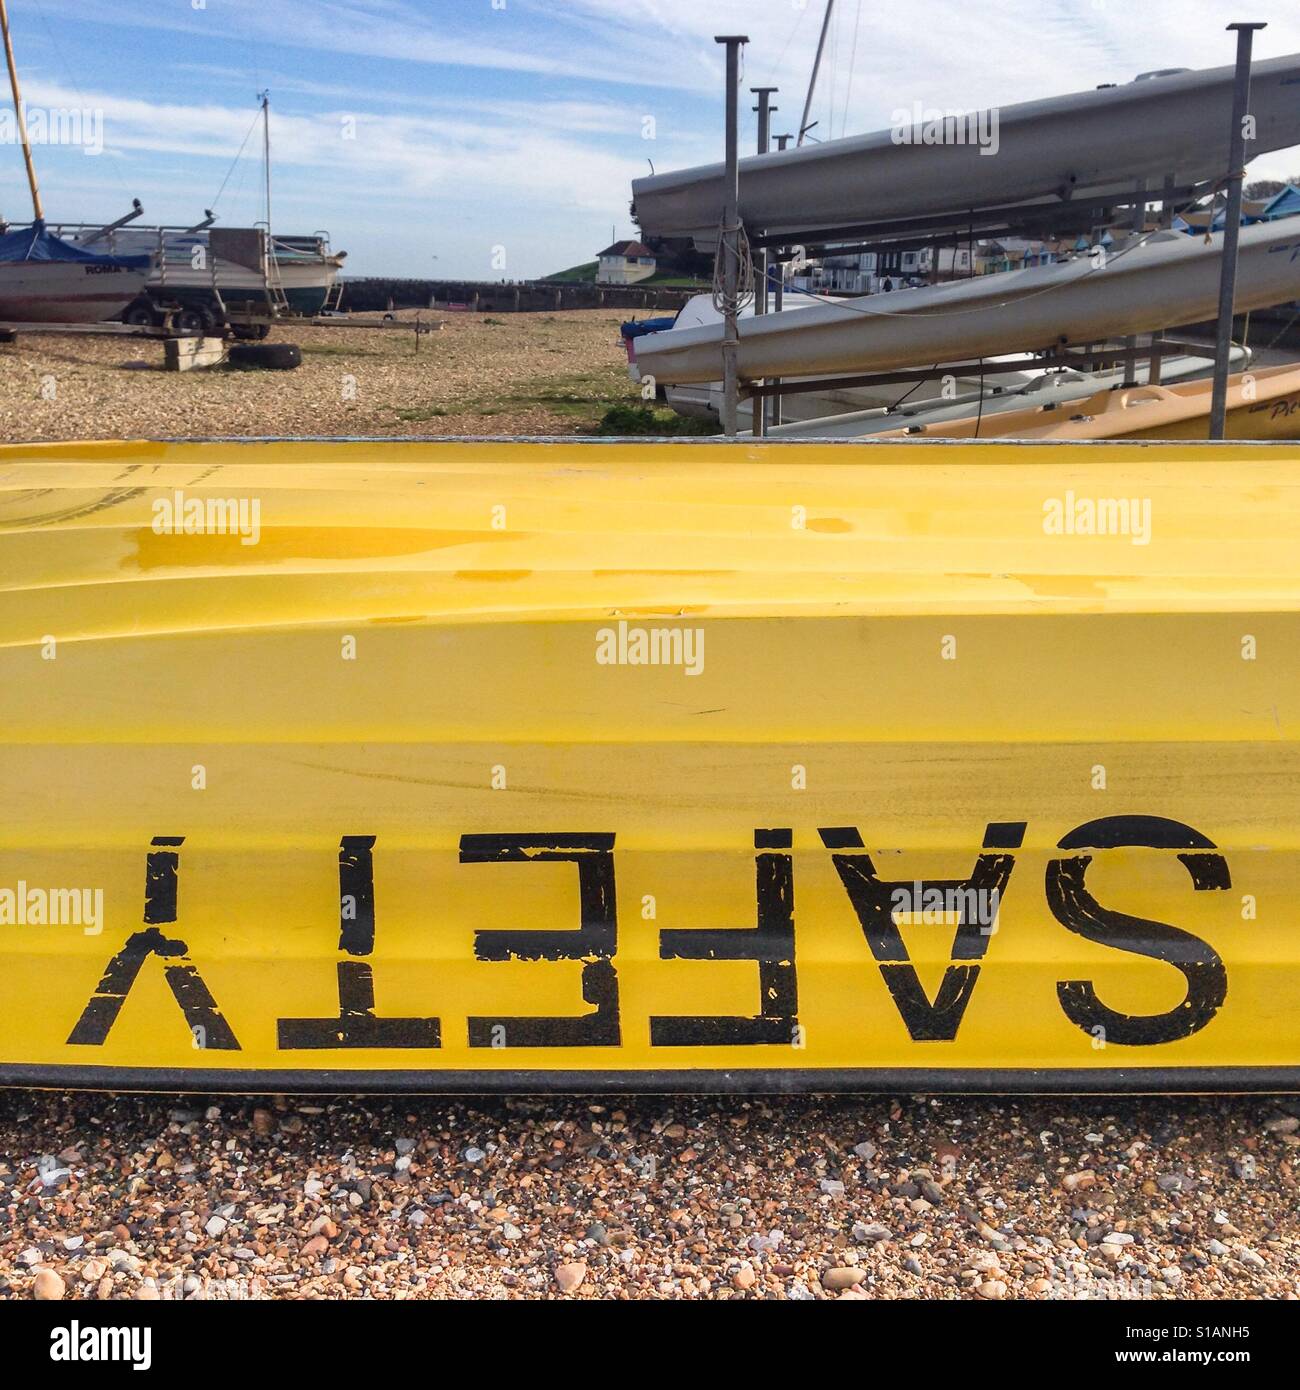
[
  {"x": 266, "y": 155},
  {"x": 1136, "y": 226},
  {"x": 774, "y": 401},
  {"x": 817, "y": 65},
  {"x": 1156, "y": 369},
  {"x": 1231, "y": 228},
  {"x": 764, "y": 110},
  {"x": 18, "y": 115},
  {"x": 729, "y": 248}
]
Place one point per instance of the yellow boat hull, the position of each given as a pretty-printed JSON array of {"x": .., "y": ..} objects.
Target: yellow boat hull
[
  {"x": 481, "y": 766},
  {"x": 1261, "y": 405}
]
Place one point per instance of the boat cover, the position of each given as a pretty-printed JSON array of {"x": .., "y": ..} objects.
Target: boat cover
[
  {"x": 34, "y": 243},
  {"x": 638, "y": 328}
]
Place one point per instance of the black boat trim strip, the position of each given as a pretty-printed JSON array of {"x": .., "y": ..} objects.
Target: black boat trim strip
[{"x": 693, "y": 1081}]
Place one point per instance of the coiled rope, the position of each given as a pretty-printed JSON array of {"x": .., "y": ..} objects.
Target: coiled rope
[{"x": 744, "y": 296}]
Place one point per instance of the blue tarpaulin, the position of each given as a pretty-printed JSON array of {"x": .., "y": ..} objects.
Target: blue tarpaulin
[
  {"x": 638, "y": 328},
  {"x": 34, "y": 243}
]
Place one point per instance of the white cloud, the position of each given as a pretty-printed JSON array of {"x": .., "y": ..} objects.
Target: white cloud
[
  {"x": 442, "y": 169},
  {"x": 559, "y": 142},
  {"x": 452, "y": 33}
]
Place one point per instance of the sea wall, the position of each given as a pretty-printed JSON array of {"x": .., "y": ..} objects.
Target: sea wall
[{"x": 369, "y": 294}]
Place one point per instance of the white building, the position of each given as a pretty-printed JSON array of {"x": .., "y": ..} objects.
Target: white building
[{"x": 625, "y": 263}]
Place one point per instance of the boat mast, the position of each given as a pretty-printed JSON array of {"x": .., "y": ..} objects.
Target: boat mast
[
  {"x": 817, "y": 66},
  {"x": 18, "y": 113},
  {"x": 266, "y": 154}
]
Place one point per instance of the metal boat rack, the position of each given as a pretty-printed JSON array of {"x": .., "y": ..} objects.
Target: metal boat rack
[
  {"x": 1084, "y": 359},
  {"x": 1061, "y": 217}
]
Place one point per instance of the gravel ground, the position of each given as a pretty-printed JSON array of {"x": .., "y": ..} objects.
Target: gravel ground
[
  {"x": 527, "y": 374},
  {"x": 650, "y": 1197}
]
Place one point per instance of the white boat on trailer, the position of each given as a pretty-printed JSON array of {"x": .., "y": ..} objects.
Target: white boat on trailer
[
  {"x": 208, "y": 278},
  {"x": 199, "y": 271}
]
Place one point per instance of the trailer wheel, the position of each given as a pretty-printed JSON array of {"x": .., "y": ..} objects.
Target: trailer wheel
[
  {"x": 192, "y": 323},
  {"x": 267, "y": 357},
  {"x": 140, "y": 314}
]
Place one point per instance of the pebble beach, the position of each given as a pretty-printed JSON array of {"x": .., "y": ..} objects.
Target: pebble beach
[
  {"x": 463, "y": 374},
  {"x": 225, "y": 1198}
]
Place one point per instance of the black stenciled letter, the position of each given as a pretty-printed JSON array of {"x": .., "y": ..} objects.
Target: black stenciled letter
[
  {"x": 208, "y": 1027},
  {"x": 594, "y": 943},
  {"x": 356, "y": 1024},
  {"x": 1074, "y": 907},
  {"x": 875, "y": 901},
  {"x": 770, "y": 943}
]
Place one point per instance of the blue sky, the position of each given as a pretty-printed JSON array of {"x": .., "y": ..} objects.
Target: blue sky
[{"x": 433, "y": 138}]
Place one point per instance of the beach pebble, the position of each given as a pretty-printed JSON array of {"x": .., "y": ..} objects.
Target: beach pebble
[{"x": 48, "y": 1286}]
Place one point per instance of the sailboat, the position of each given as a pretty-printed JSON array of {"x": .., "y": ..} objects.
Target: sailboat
[
  {"x": 44, "y": 279},
  {"x": 202, "y": 272}
]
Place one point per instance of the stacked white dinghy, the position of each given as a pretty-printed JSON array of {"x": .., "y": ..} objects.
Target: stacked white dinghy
[
  {"x": 1086, "y": 145},
  {"x": 1156, "y": 282}
]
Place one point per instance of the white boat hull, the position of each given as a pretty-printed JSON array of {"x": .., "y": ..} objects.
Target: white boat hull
[
  {"x": 849, "y": 412},
  {"x": 1166, "y": 280},
  {"x": 65, "y": 291},
  {"x": 1084, "y": 145},
  {"x": 307, "y": 283}
]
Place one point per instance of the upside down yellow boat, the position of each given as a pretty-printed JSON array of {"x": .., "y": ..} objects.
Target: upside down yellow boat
[
  {"x": 1262, "y": 404},
  {"x": 499, "y": 766}
]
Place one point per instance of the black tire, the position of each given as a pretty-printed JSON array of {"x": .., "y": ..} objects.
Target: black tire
[
  {"x": 140, "y": 314},
  {"x": 192, "y": 322},
  {"x": 267, "y": 357},
  {"x": 250, "y": 332}
]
